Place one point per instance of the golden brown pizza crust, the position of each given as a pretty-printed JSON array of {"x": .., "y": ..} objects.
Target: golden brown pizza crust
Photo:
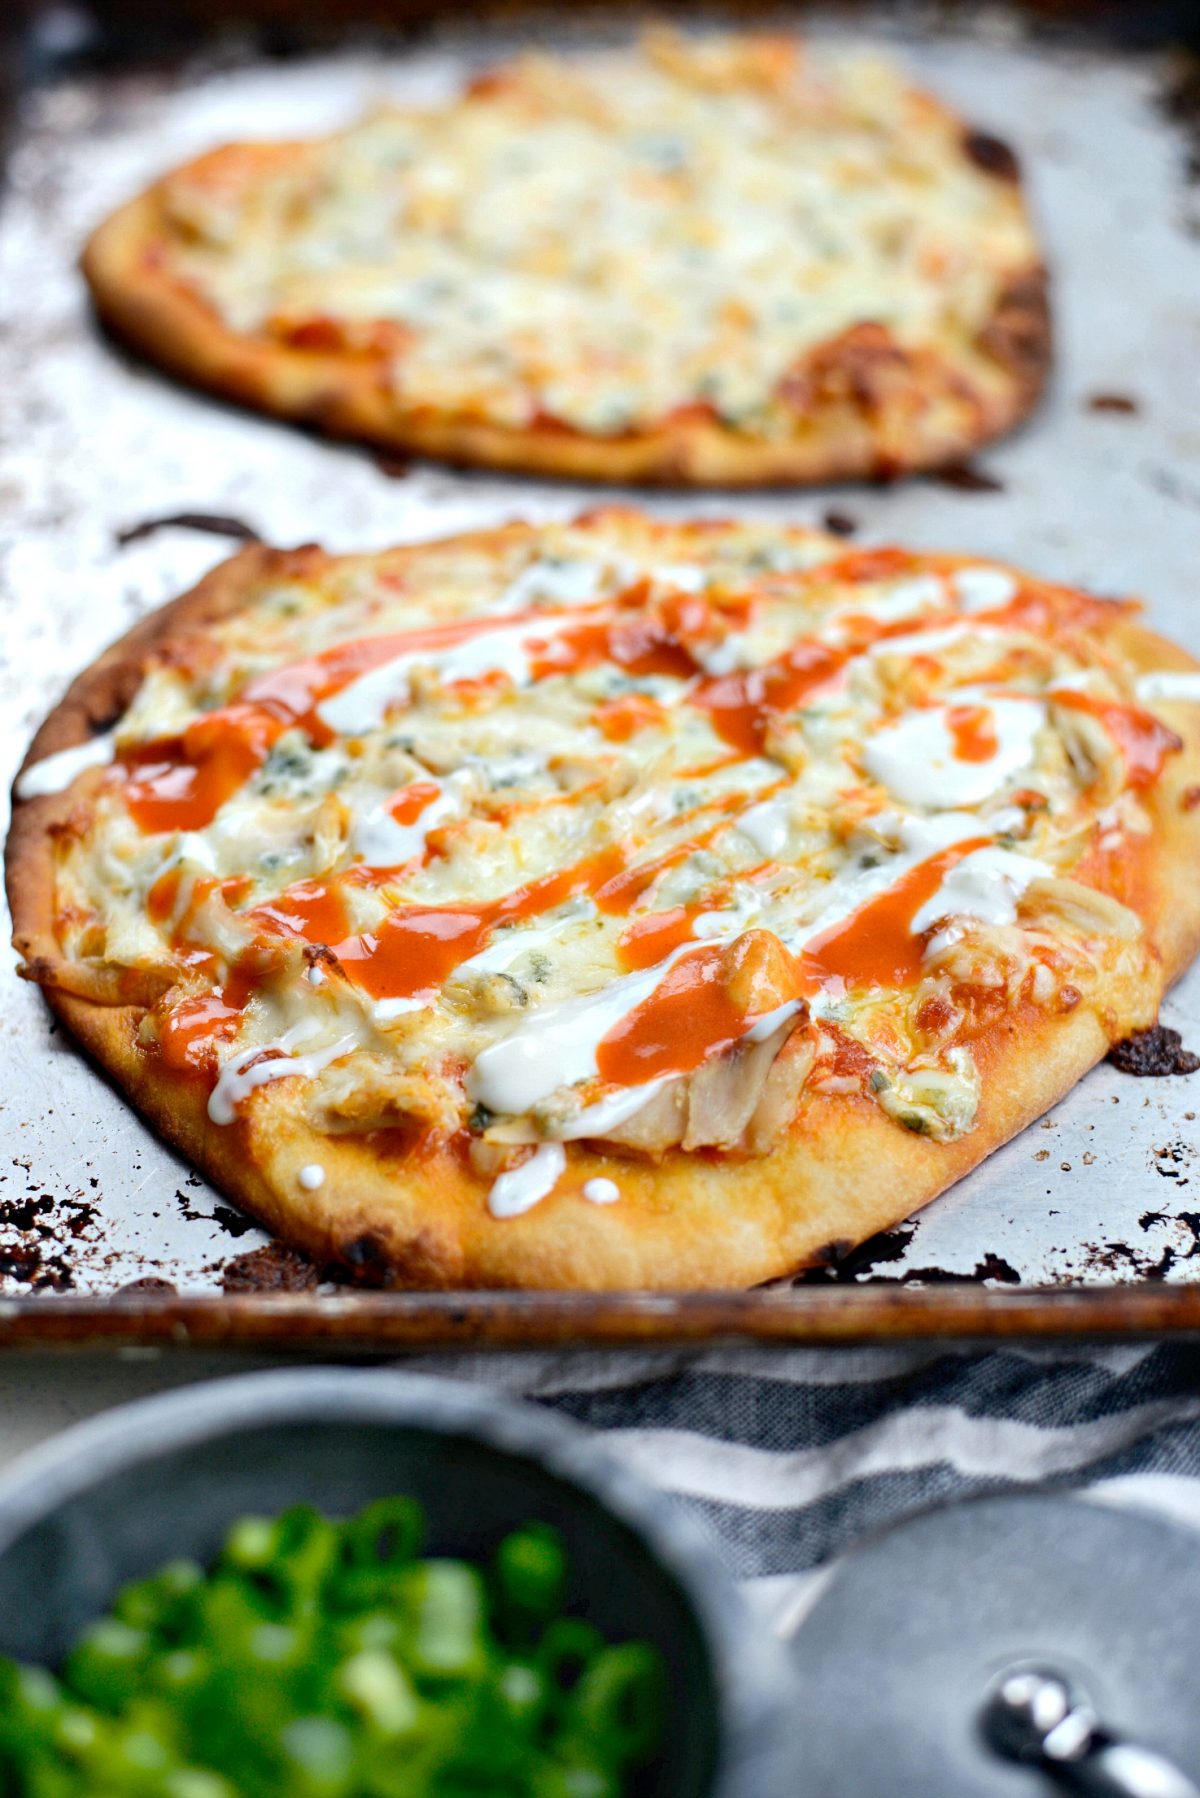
[
  {"x": 866, "y": 408},
  {"x": 390, "y": 1216}
]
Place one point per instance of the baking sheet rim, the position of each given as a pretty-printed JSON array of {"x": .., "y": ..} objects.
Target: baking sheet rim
[{"x": 358, "y": 1323}]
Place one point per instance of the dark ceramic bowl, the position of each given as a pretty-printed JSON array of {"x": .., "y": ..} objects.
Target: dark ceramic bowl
[{"x": 112, "y": 1499}]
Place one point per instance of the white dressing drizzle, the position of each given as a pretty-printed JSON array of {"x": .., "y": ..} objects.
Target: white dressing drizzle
[
  {"x": 380, "y": 841},
  {"x": 54, "y": 773},
  {"x": 767, "y": 824},
  {"x": 684, "y": 576},
  {"x": 770, "y": 1021},
  {"x": 312, "y": 1176},
  {"x": 243, "y": 1074},
  {"x": 384, "y": 1010},
  {"x": 915, "y": 758},
  {"x": 983, "y": 589},
  {"x": 601, "y": 1191},
  {"x": 363, "y": 705},
  {"x": 726, "y": 656},
  {"x": 511, "y": 944},
  {"x": 907, "y": 599},
  {"x": 924, "y": 643},
  {"x": 556, "y": 1046},
  {"x": 616, "y": 1108},
  {"x": 569, "y": 582},
  {"x": 986, "y": 885},
  {"x": 523, "y": 1187},
  {"x": 1169, "y": 683}
]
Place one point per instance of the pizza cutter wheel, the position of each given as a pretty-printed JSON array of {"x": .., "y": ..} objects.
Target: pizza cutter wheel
[{"x": 1010, "y": 1647}]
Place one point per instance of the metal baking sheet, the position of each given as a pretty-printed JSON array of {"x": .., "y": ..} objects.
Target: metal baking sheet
[{"x": 1102, "y": 1195}]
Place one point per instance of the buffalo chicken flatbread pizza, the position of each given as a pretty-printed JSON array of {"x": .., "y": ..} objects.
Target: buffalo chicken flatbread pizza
[
  {"x": 717, "y": 259},
  {"x": 610, "y": 904}
]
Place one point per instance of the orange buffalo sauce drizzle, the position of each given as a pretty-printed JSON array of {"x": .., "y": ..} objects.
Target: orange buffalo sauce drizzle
[
  {"x": 875, "y": 946},
  {"x": 1143, "y": 740},
  {"x": 621, "y": 719},
  {"x": 188, "y": 1032},
  {"x": 972, "y": 730},
  {"x": 640, "y": 643},
  {"x": 185, "y": 780},
  {"x": 181, "y": 782},
  {"x": 741, "y": 706},
  {"x": 163, "y": 899},
  {"x": 417, "y": 947},
  {"x": 690, "y": 1015},
  {"x": 407, "y": 805},
  {"x": 650, "y": 939},
  {"x": 312, "y": 909}
]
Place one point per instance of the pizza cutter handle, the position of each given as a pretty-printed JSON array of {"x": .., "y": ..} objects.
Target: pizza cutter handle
[{"x": 1032, "y": 1716}]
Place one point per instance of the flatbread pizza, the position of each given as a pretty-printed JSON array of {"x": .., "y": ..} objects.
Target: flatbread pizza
[
  {"x": 735, "y": 260},
  {"x": 609, "y": 904}
]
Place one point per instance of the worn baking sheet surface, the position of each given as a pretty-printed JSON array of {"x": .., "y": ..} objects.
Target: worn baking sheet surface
[{"x": 1101, "y": 1192}]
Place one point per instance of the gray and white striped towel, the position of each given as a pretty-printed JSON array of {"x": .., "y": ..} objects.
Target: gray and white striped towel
[{"x": 790, "y": 1457}]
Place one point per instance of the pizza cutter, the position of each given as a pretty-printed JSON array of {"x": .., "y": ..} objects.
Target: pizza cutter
[
  {"x": 1012, "y": 1647},
  {"x": 1034, "y": 1717}
]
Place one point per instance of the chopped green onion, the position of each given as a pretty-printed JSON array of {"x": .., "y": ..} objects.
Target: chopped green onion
[{"x": 324, "y": 1660}]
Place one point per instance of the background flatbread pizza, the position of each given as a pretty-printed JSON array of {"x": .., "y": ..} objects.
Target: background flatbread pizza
[
  {"x": 611, "y": 904},
  {"x": 732, "y": 259}
]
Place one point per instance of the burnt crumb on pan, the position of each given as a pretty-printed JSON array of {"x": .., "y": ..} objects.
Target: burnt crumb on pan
[
  {"x": 30, "y": 1265},
  {"x": 841, "y": 1262},
  {"x": 82, "y": 1217},
  {"x": 149, "y": 1286},
  {"x": 964, "y": 477},
  {"x": 394, "y": 466},
  {"x": 216, "y": 524},
  {"x": 1173, "y": 1162},
  {"x": 840, "y": 524},
  {"x": 37, "y": 1255},
  {"x": 1152, "y": 1053},
  {"x": 995, "y": 1267},
  {"x": 273, "y": 1268},
  {"x": 845, "y": 1265},
  {"x": 234, "y": 1223},
  {"x": 1180, "y": 100},
  {"x": 992, "y": 155},
  {"x": 1112, "y": 402},
  {"x": 24, "y": 1214},
  {"x": 991, "y": 1267},
  {"x": 1119, "y": 1257}
]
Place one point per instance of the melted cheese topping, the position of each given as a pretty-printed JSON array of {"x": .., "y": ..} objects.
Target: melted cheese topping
[
  {"x": 505, "y": 872},
  {"x": 604, "y": 241}
]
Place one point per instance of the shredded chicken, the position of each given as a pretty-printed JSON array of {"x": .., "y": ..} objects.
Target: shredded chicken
[
  {"x": 1083, "y": 910},
  {"x": 741, "y": 1100}
]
